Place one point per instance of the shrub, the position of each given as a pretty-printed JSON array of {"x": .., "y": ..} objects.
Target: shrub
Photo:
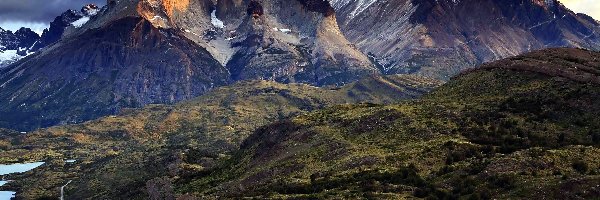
[
  {"x": 596, "y": 137},
  {"x": 580, "y": 166},
  {"x": 557, "y": 173},
  {"x": 502, "y": 181}
]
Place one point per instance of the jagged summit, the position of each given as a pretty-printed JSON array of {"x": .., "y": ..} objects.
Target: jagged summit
[
  {"x": 25, "y": 42},
  {"x": 303, "y": 36},
  {"x": 90, "y": 9},
  {"x": 14, "y": 46}
]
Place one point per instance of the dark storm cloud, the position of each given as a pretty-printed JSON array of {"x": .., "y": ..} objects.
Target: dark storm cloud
[{"x": 39, "y": 10}]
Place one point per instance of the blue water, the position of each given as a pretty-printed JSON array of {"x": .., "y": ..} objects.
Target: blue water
[
  {"x": 6, "y": 195},
  {"x": 18, "y": 168},
  {"x": 14, "y": 168}
]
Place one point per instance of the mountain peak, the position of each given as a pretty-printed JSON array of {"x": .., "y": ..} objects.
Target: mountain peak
[
  {"x": 440, "y": 38},
  {"x": 90, "y": 9}
]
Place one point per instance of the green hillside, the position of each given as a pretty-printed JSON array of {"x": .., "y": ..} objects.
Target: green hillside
[
  {"x": 526, "y": 127},
  {"x": 117, "y": 156},
  {"x": 521, "y": 128}
]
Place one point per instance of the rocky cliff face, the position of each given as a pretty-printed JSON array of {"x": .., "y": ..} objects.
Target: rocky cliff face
[
  {"x": 439, "y": 38},
  {"x": 288, "y": 41},
  {"x": 128, "y": 63},
  {"x": 21, "y": 39},
  {"x": 57, "y": 28},
  {"x": 133, "y": 53}
]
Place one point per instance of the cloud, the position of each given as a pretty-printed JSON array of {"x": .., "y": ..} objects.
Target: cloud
[
  {"x": 37, "y": 27},
  {"x": 38, "y": 11},
  {"x": 589, "y": 7}
]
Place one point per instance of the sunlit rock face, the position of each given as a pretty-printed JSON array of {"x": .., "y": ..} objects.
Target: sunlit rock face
[{"x": 161, "y": 12}]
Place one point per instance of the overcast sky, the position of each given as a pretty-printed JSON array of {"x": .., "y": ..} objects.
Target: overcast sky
[
  {"x": 590, "y": 7},
  {"x": 37, "y": 14}
]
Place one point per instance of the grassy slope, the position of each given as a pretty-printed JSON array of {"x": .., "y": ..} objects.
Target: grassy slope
[
  {"x": 526, "y": 127},
  {"x": 118, "y": 155}
]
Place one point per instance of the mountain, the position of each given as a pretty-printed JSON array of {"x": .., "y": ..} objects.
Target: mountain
[
  {"x": 14, "y": 46},
  {"x": 118, "y": 155},
  {"x": 133, "y": 53},
  {"x": 57, "y": 28},
  {"x": 303, "y": 37},
  {"x": 520, "y": 128},
  {"x": 24, "y": 41},
  {"x": 439, "y": 38}
]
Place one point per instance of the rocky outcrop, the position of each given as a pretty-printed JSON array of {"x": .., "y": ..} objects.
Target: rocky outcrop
[
  {"x": 57, "y": 28},
  {"x": 255, "y": 9},
  {"x": 320, "y": 6},
  {"x": 439, "y": 38},
  {"x": 291, "y": 41},
  {"x": 574, "y": 64}
]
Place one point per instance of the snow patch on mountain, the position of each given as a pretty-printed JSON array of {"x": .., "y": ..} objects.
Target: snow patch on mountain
[
  {"x": 9, "y": 54},
  {"x": 80, "y": 22},
  {"x": 216, "y": 21},
  {"x": 8, "y": 57},
  {"x": 283, "y": 30}
]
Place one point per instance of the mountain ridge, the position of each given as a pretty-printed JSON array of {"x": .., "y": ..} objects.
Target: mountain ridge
[
  {"x": 441, "y": 38},
  {"x": 124, "y": 62}
]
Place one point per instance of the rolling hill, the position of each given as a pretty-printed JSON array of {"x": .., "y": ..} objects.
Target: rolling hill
[
  {"x": 520, "y": 128},
  {"x": 118, "y": 155}
]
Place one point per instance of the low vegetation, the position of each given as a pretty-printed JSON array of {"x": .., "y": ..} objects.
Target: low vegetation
[
  {"x": 493, "y": 133},
  {"x": 521, "y": 128},
  {"x": 119, "y": 156}
]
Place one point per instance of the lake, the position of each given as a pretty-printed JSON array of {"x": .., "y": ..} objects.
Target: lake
[
  {"x": 14, "y": 168},
  {"x": 6, "y": 195},
  {"x": 18, "y": 168}
]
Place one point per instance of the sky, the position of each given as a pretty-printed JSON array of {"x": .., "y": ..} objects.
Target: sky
[
  {"x": 589, "y": 7},
  {"x": 37, "y": 14}
]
